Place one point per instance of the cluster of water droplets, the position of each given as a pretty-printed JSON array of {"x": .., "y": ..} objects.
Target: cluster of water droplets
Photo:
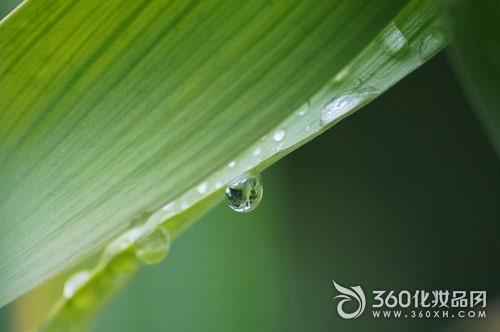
[
  {"x": 396, "y": 44},
  {"x": 150, "y": 242}
]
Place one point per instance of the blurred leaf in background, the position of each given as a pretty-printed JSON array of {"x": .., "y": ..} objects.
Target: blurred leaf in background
[{"x": 476, "y": 54}]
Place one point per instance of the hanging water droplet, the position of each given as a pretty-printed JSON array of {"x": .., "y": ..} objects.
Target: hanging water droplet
[
  {"x": 75, "y": 282},
  {"x": 394, "y": 42},
  {"x": 153, "y": 247},
  {"x": 432, "y": 43},
  {"x": 245, "y": 193},
  {"x": 279, "y": 135}
]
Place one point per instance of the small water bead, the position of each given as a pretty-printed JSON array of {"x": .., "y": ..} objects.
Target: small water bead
[
  {"x": 335, "y": 109},
  {"x": 302, "y": 111},
  {"x": 202, "y": 188},
  {"x": 232, "y": 164},
  {"x": 152, "y": 248},
  {"x": 257, "y": 151},
  {"x": 75, "y": 282},
  {"x": 432, "y": 43},
  {"x": 245, "y": 193},
  {"x": 279, "y": 135},
  {"x": 394, "y": 42}
]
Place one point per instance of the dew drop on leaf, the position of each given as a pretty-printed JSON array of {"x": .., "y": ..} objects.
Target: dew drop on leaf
[
  {"x": 245, "y": 193},
  {"x": 75, "y": 282},
  {"x": 394, "y": 42},
  {"x": 302, "y": 111},
  {"x": 279, "y": 135},
  {"x": 153, "y": 247},
  {"x": 431, "y": 44},
  {"x": 202, "y": 188},
  {"x": 337, "y": 108}
]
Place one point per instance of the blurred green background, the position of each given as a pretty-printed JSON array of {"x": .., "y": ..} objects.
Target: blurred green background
[{"x": 404, "y": 194}]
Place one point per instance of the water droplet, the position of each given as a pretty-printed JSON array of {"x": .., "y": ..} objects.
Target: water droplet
[
  {"x": 257, "y": 151},
  {"x": 232, "y": 164},
  {"x": 279, "y": 135},
  {"x": 151, "y": 248},
  {"x": 245, "y": 193},
  {"x": 202, "y": 188},
  {"x": 432, "y": 43},
  {"x": 302, "y": 111},
  {"x": 218, "y": 185},
  {"x": 75, "y": 282},
  {"x": 336, "y": 109},
  {"x": 394, "y": 42}
]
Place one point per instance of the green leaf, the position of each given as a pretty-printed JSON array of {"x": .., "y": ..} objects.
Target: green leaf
[
  {"x": 123, "y": 113},
  {"x": 476, "y": 54}
]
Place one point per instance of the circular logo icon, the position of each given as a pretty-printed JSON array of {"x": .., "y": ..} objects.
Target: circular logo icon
[{"x": 355, "y": 293}]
